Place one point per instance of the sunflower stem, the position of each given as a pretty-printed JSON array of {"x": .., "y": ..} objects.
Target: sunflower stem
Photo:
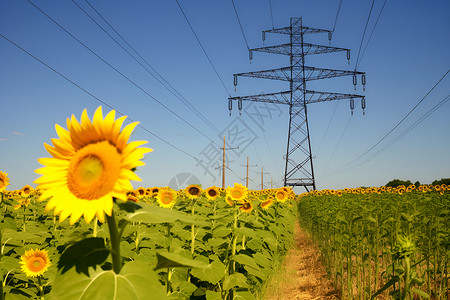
[
  {"x": 24, "y": 218},
  {"x": 94, "y": 233},
  {"x": 192, "y": 231},
  {"x": 233, "y": 249},
  {"x": 41, "y": 288},
  {"x": 1, "y": 254},
  {"x": 168, "y": 269},
  {"x": 115, "y": 243}
]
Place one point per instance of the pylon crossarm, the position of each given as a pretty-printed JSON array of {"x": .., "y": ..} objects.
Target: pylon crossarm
[
  {"x": 321, "y": 73},
  {"x": 309, "y": 49},
  {"x": 277, "y": 98},
  {"x": 316, "y": 96},
  {"x": 300, "y": 182},
  {"x": 285, "y": 73},
  {"x": 304, "y": 30},
  {"x": 277, "y": 74}
]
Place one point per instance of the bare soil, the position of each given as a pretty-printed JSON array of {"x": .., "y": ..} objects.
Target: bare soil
[{"x": 302, "y": 275}]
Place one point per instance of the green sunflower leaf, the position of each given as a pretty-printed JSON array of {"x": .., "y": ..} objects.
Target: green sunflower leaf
[
  {"x": 152, "y": 214},
  {"x": 82, "y": 255},
  {"x": 213, "y": 273},
  {"x": 172, "y": 260},
  {"x": 135, "y": 281},
  {"x": 129, "y": 206}
]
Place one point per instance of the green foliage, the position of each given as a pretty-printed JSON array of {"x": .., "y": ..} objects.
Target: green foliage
[
  {"x": 445, "y": 181},
  {"x": 135, "y": 281},
  {"x": 375, "y": 243},
  {"x": 397, "y": 182},
  {"x": 86, "y": 253},
  {"x": 197, "y": 250}
]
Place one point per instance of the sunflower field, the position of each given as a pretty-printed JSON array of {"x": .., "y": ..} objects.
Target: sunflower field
[
  {"x": 384, "y": 243},
  {"x": 85, "y": 233},
  {"x": 173, "y": 245}
]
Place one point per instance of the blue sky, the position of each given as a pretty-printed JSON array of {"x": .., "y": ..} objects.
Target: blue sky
[{"x": 406, "y": 56}]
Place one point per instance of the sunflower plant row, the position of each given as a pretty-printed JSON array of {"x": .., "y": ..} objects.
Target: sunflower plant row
[
  {"x": 84, "y": 233},
  {"x": 383, "y": 242}
]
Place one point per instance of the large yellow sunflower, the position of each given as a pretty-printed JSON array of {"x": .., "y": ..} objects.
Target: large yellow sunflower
[
  {"x": 166, "y": 197},
  {"x": 193, "y": 191},
  {"x": 4, "y": 181},
  {"x": 237, "y": 192},
  {"x": 35, "y": 262},
  {"x": 281, "y": 195},
  {"x": 246, "y": 207},
  {"x": 212, "y": 192},
  {"x": 92, "y": 163},
  {"x": 266, "y": 204},
  {"x": 26, "y": 191}
]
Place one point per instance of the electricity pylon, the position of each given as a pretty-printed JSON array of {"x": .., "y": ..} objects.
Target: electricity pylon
[{"x": 299, "y": 164}]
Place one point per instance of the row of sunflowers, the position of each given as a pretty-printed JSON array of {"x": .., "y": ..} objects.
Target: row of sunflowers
[
  {"x": 212, "y": 243},
  {"x": 133, "y": 244},
  {"x": 383, "y": 243}
]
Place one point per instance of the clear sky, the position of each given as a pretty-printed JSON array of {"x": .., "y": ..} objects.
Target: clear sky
[{"x": 407, "y": 54}]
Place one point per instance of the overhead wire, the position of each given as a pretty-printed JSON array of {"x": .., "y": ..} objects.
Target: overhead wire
[
  {"x": 240, "y": 25},
  {"x": 401, "y": 135},
  {"x": 160, "y": 78},
  {"x": 201, "y": 46},
  {"x": 337, "y": 145},
  {"x": 120, "y": 73},
  {"x": 328, "y": 127},
  {"x": 271, "y": 13},
  {"x": 246, "y": 43},
  {"x": 401, "y": 121},
  {"x": 337, "y": 15},
  {"x": 364, "y": 33},
  {"x": 414, "y": 125},
  {"x": 371, "y": 33},
  {"x": 206, "y": 54},
  {"x": 356, "y": 64},
  {"x": 97, "y": 98}
]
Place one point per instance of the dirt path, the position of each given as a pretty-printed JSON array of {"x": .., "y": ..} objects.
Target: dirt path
[{"x": 302, "y": 275}]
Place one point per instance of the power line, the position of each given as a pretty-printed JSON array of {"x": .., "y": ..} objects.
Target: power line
[
  {"x": 393, "y": 128},
  {"x": 337, "y": 15},
  {"x": 98, "y": 99},
  {"x": 240, "y": 25},
  {"x": 204, "y": 51},
  {"x": 338, "y": 143},
  {"x": 166, "y": 84},
  {"x": 328, "y": 127},
  {"x": 364, "y": 33},
  {"x": 373, "y": 29},
  {"x": 123, "y": 75},
  {"x": 414, "y": 125},
  {"x": 271, "y": 13},
  {"x": 406, "y": 131}
]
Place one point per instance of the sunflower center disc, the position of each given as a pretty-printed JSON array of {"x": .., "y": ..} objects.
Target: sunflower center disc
[
  {"x": 193, "y": 191},
  {"x": 37, "y": 264},
  {"x": 94, "y": 170},
  {"x": 2, "y": 183},
  {"x": 236, "y": 194},
  {"x": 166, "y": 199}
]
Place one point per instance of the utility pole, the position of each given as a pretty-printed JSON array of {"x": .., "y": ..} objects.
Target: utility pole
[
  {"x": 262, "y": 177},
  {"x": 223, "y": 161},
  {"x": 298, "y": 159},
  {"x": 246, "y": 178}
]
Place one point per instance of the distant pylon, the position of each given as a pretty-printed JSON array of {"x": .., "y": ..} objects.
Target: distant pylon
[{"x": 299, "y": 169}]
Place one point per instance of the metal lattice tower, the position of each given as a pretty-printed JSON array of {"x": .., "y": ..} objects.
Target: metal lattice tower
[{"x": 299, "y": 164}]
